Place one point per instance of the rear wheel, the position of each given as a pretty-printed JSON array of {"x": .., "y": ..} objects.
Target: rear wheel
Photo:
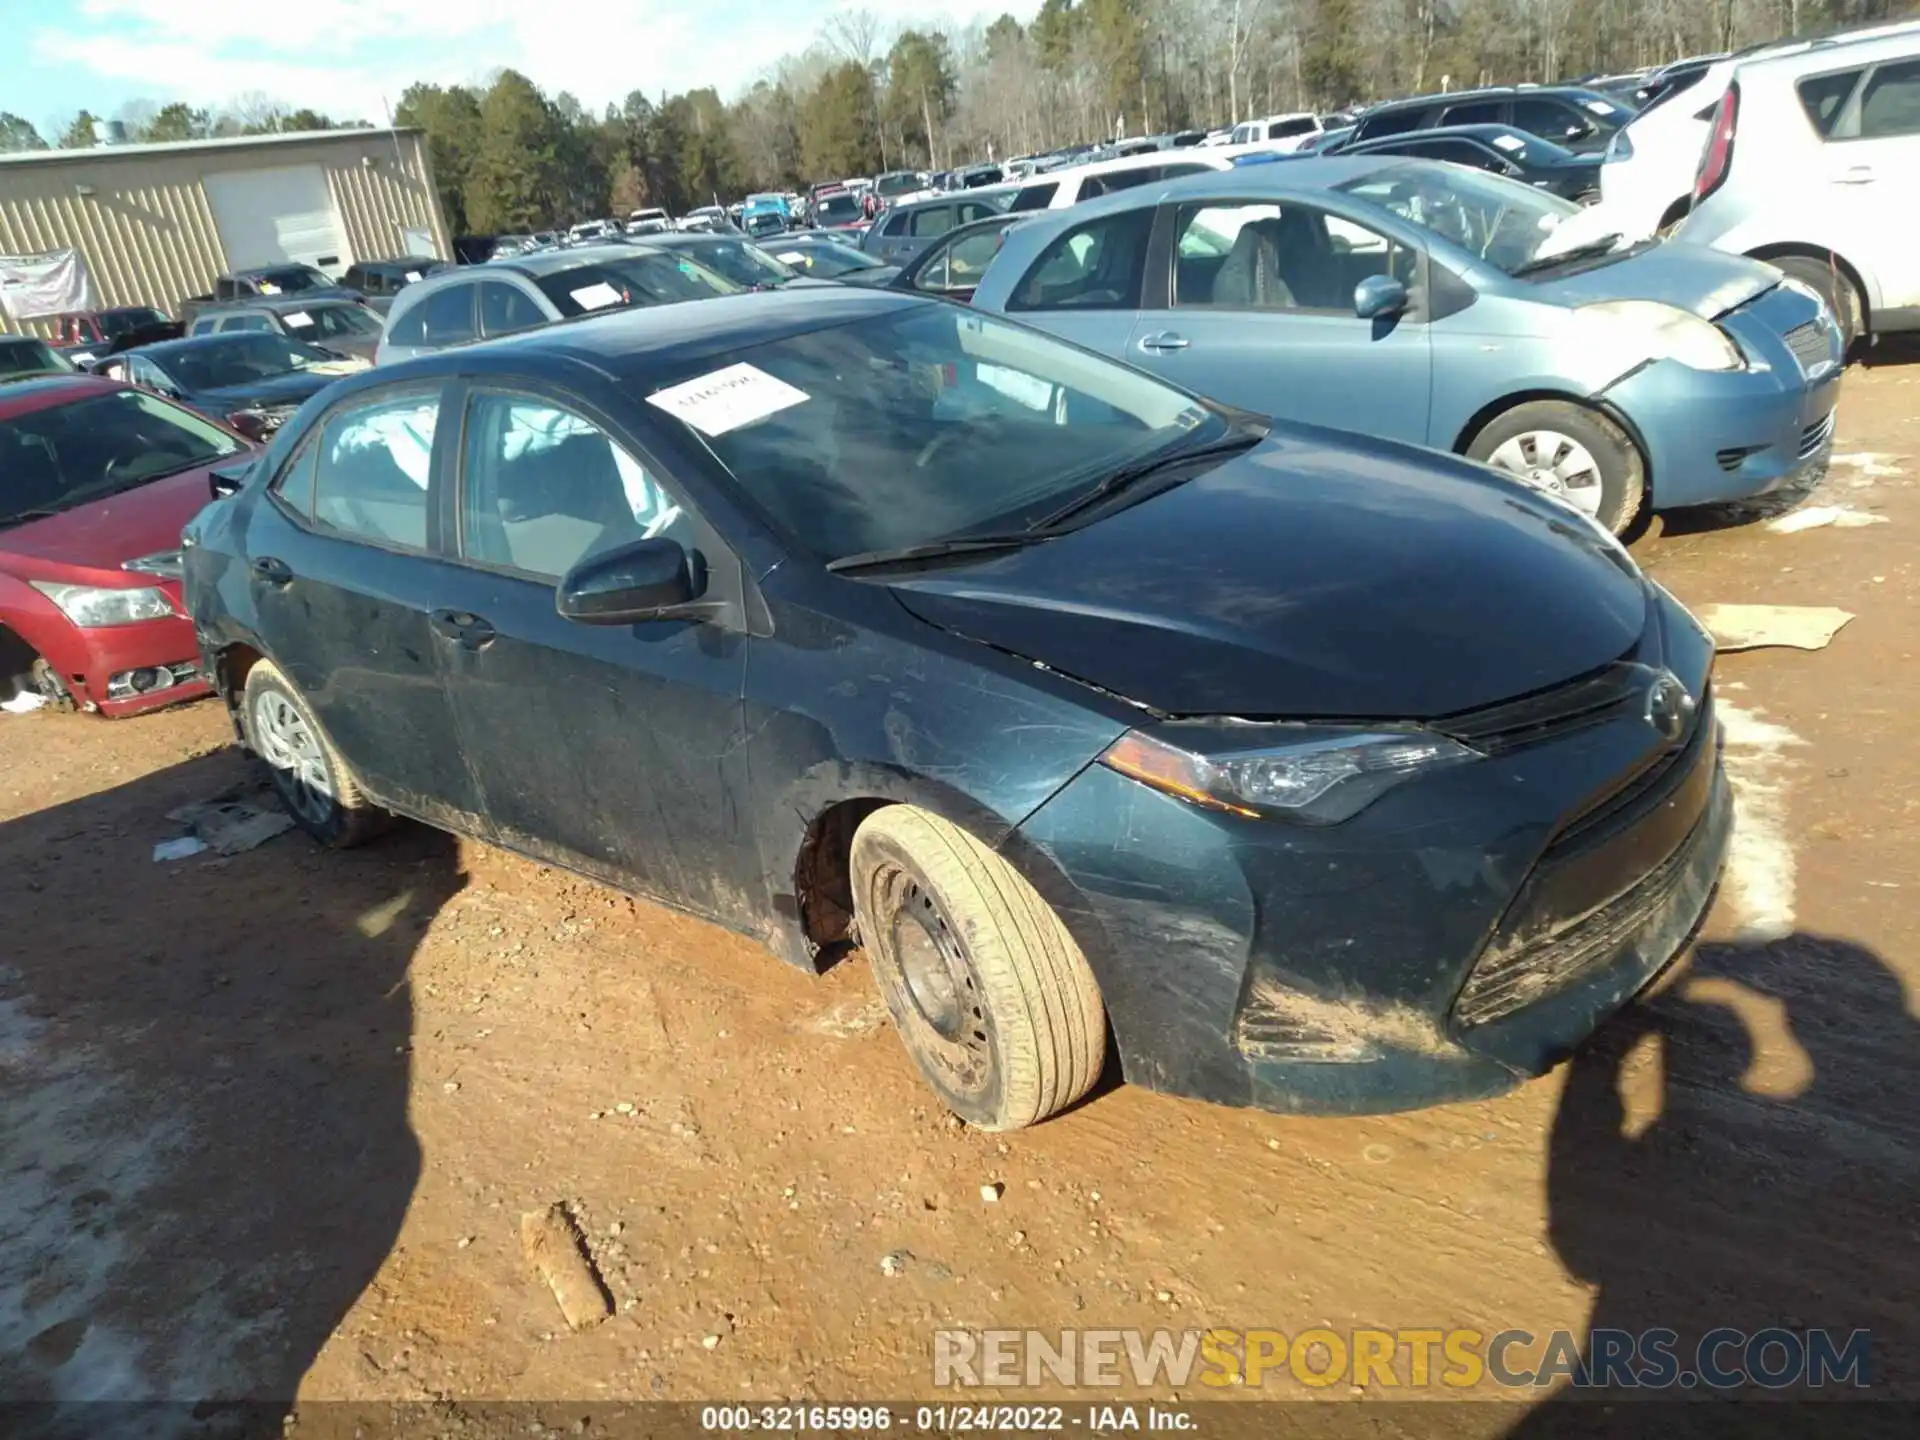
[
  {"x": 314, "y": 783},
  {"x": 1831, "y": 284},
  {"x": 1576, "y": 453},
  {"x": 991, "y": 996}
]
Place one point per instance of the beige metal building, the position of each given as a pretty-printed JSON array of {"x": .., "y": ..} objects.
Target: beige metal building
[{"x": 157, "y": 223}]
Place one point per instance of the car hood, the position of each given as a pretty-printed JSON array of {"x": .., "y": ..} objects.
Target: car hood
[
  {"x": 1692, "y": 277},
  {"x": 290, "y": 389},
  {"x": 1319, "y": 576},
  {"x": 103, "y": 535}
]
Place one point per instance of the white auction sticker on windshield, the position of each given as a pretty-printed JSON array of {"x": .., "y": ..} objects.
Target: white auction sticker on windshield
[
  {"x": 412, "y": 275},
  {"x": 1509, "y": 142},
  {"x": 726, "y": 399},
  {"x": 297, "y": 318},
  {"x": 793, "y": 257},
  {"x": 1599, "y": 107},
  {"x": 597, "y": 296}
]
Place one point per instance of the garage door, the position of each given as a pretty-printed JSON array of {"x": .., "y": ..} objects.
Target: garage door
[{"x": 268, "y": 217}]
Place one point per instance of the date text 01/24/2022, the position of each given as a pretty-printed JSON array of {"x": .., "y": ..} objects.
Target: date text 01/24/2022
[{"x": 942, "y": 1418}]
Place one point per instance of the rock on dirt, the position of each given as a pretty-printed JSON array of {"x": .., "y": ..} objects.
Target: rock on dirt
[{"x": 556, "y": 1251}]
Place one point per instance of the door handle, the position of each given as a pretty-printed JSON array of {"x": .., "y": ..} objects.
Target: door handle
[
  {"x": 463, "y": 628},
  {"x": 273, "y": 572},
  {"x": 1165, "y": 340},
  {"x": 1855, "y": 175}
]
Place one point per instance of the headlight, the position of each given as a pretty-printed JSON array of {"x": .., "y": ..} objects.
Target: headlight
[
  {"x": 1649, "y": 330},
  {"x": 1316, "y": 776},
  {"x": 91, "y": 607}
]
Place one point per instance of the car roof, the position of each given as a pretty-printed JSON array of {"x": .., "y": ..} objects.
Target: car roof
[
  {"x": 251, "y": 271},
  {"x": 1852, "y": 47},
  {"x": 1488, "y": 131},
  {"x": 1298, "y": 175},
  {"x": 1496, "y": 92},
  {"x": 23, "y": 397},
  {"x": 555, "y": 262},
  {"x": 649, "y": 339},
  {"x": 161, "y": 349}
]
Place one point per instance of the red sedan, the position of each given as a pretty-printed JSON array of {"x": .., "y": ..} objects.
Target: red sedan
[{"x": 96, "y": 481}]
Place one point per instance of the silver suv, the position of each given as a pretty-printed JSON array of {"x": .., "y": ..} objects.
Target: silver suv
[{"x": 1812, "y": 162}]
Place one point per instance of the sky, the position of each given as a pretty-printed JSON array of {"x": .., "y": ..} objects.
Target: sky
[{"x": 352, "y": 58}]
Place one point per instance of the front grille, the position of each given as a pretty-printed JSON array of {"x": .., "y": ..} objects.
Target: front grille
[
  {"x": 1517, "y": 969},
  {"x": 1510, "y": 979},
  {"x": 1549, "y": 714},
  {"x": 1816, "y": 435},
  {"x": 1808, "y": 342},
  {"x": 1649, "y": 787}
]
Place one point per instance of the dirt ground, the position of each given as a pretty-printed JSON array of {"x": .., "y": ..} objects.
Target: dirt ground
[{"x": 270, "y": 1121}]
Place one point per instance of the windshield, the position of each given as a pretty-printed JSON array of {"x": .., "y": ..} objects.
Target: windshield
[
  {"x": 290, "y": 279},
  {"x": 834, "y": 209},
  {"x": 765, "y": 222},
  {"x": 115, "y": 323},
  {"x": 29, "y": 357},
  {"x": 222, "y": 360},
  {"x": 922, "y": 424},
  {"x": 331, "y": 322},
  {"x": 67, "y": 455},
  {"x": 1504, "y": 222},
  {"x": 898, "y": 182},
  {"x": 648, "y": 278},
  {"x": 741, "y": 262},
  {"x": 825, "y": 258}
]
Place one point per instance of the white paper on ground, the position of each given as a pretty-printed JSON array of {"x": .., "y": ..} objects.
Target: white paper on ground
[
  {"x": 597, "y": 296},
  {"x": 183, "y": 848},
  {"x": 23, "y": 703},
  {"x": 1814, "y": 516},
  {"x": 1751, "y": 627},
  {"x": 726, "y": 399}
]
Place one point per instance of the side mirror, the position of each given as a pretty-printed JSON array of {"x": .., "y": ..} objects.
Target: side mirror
[
  {"x": 647, "y": 580},
  {"x": 1377, "y": 296}
]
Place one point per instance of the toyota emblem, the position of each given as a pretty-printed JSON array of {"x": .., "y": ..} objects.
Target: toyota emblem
[{"x": 1669, "y": 707}]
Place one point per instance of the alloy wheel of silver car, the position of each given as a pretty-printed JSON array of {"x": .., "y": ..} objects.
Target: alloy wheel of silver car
[
  {"x": 287, "y": 743},
  {"x": 1553, "y": 462}
]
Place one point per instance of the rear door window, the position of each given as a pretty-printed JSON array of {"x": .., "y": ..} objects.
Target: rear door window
[
  {"x": 1095, "y": 266},
  {"x": 1479, "y": 112},
  {"x": 446, "y": 316},
  {"x": 1035, "y": 197},
  {"x": 930, "y": 221},
  {"x": 1890, "y": 105},
  {"x": 504, "y": 310},
  {"x": 1823, "y": 97},
  {"x": 1394, "y": 122},
  {"x": 374, "y": 463},
  {"x": 1551, "y": 119}
]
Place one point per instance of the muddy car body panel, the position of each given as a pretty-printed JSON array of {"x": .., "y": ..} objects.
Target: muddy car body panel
[{"x": 1438, "y": 943}]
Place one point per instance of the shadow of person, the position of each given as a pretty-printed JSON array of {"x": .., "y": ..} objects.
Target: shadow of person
[
  {"x": 1742, "y": 1153},
  {"x": 205, "y": 1153}
]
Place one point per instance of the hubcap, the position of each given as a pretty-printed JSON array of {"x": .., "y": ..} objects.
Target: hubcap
[
  {"x": 1552, "y": 461},
  {"x": 934, "y": 991},
  {"x": 289, "y": 745}
]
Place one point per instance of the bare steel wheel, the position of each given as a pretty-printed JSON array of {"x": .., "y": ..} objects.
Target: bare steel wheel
[
  {"x": 992, "y": 998},
  {"x": 1571, "y": 451},
  {"x": 314, "y": 782}
]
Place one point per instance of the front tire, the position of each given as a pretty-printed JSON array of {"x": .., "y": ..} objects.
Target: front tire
[
  {"x": 992, "y": 998},
  {"x": 312, "y": 780},
  {"x": 1577, "y": 453},
  {"x": 1831, "y": 284}
]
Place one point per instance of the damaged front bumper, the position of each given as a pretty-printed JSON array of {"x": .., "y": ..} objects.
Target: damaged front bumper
[{"x": 1464, "y": 932}]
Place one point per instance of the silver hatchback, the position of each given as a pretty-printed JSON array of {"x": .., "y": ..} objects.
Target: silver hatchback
[{"x": 504, "y": 297}]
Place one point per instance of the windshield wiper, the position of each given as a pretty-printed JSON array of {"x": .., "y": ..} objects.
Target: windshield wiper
[
  {"x": 938, "y": 550},
  {"x": 1599, "y": 245},
  {"x": 1240, "y": 438},
  {"x": 21, "y": 516}
]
